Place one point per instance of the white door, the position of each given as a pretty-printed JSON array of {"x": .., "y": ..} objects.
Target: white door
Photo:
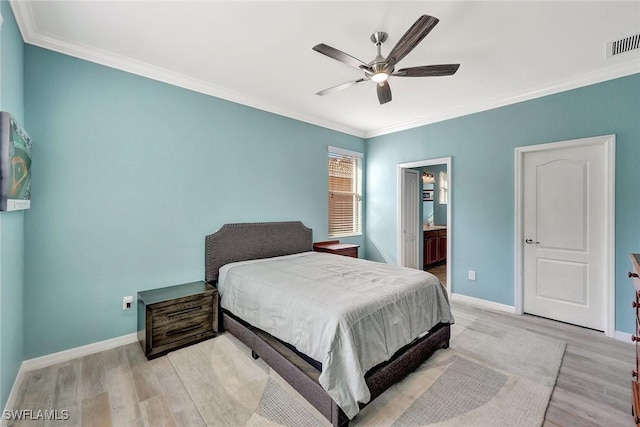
[
  {"x": 410, "y": 213},
  {"x": 564, "y": 231}
]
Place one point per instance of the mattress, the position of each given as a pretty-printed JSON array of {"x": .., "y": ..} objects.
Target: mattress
[{"x": 347, "y": 313}]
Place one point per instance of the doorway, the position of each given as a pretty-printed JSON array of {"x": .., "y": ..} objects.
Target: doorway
[
  {"x": 565, "y": 231},
  {"x": 433, "y": 229}
]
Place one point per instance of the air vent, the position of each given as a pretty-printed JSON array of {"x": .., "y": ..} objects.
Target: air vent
[{"x": 626, "y": 44}]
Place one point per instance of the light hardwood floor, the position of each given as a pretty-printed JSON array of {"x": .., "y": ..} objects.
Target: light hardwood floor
[{"x": 119, "y": 387}]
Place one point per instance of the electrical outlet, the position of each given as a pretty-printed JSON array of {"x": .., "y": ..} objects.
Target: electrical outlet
[
  {"x": 127, "y": 303},
  {"x": 472, "y": 275}
]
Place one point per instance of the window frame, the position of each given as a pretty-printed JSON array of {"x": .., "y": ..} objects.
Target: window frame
[{"x": 358, "y": 190}]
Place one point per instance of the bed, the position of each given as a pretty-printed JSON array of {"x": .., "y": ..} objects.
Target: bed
[{"x": 341, "y": 363}]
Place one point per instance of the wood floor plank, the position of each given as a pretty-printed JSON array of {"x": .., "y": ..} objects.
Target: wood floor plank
[
  {"x": 184, "y": 411},
  {"x": 65, "y": 394},
  {"x": 119, "y": 387},
  {"x": 40, "y": 388},
  {"x": 115, "y": 358},
  {"x": 125, "y": 410},
  {"x": 145, "y": 382},
  {"x": 135, "y": 355},
  {"x": 156, "y": 412},
  {"x": 583, "y": 407},
  {"x": 96, "y": 411},
  {"x": 92, "y": 376},
  {"x": 558, "y": 417}
]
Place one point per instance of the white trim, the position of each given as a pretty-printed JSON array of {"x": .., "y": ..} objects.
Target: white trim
[
  {"x": 24, "y": 17},
  {"x": 609, "y": 142},
  {"x": 344, "y": 151},
  {"x": 623, "y": 336},
  {"x": 428, "y": 162},
  {"x": 73, "y": 353},
  {"x": 418, "y": 164},
  {"x": 13, "y": 395},
  {"x": 30, "y": 34},
  {"x": 586, "y": 79},
  {"x": 482, "y": 303},
  {"x": 610, "y": 232}
]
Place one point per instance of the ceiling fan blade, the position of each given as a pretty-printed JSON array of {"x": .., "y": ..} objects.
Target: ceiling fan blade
[
  {"x": 428, "y": 71},
  {"x": 338, "y": 55},
  {"x": 384, "y": 92},
  {"x": 411, "y": 38},
  {"x": 340, "y": 87}
]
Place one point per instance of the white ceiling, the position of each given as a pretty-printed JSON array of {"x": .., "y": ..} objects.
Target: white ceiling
[{"x": 259, "y": 53}]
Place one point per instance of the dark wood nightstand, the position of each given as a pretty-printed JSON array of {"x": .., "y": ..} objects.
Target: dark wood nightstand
[
  {"x": 335, "y": 247},
  {"x": 176, "y": 316}
]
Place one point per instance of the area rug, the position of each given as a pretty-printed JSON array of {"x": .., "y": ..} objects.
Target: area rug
[{"x": 492, "y": 375}]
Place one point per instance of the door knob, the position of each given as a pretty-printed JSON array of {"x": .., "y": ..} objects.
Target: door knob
[{"x": 530, "y": 241}]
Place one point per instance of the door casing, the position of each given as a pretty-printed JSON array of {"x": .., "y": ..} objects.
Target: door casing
[
  {"x": 608, "y": 199},
  {"x": 400, "y": 243}
]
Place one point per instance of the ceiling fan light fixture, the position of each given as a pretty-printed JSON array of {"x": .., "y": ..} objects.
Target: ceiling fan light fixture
[{"x": 379, "y": 77}]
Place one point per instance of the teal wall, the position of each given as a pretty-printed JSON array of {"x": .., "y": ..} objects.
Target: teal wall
[
  {"x": 11, "y": 223},
  {"x": 130, "y": 175},
  {"x": 438, "y": 210},
  {"x": 482, "y": 149}
]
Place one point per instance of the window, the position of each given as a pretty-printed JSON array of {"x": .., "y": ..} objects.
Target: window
[
  {"x": 345, "y": 192},
  {"x": 443, "y": 187}
]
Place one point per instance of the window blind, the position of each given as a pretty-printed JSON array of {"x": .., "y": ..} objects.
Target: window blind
[{"x": 345, "y": 192}]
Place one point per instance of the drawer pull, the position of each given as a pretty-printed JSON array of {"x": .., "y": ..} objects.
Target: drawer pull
[
  {"x": 635, "y": 304},
  {"x": 635, "y": 338},
  {"x": 634, "y": 374},
  {"x": 183, "y": 330},
  {"x": 633, "y": 274},
  {"x": 188, "y": 310}
]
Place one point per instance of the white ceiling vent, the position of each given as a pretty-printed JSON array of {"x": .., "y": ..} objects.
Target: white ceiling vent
[{"x": 623, "y": 45}]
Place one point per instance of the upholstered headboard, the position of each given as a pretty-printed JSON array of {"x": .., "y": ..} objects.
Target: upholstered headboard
[{"x": 246, "y": 241}]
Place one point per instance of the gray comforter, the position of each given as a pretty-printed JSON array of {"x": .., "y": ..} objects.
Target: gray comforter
[{"x": 347, "y": 313}]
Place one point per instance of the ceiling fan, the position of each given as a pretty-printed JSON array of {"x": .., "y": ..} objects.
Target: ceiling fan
[{"x": 380, "y": 68}]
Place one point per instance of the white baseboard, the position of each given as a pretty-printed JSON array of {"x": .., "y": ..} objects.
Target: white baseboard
[
  {"x": 482, "y": 303},
  {"x": 620, "y": 336},
  {"x": 623, "y": 336},
  {"x": 73, "y": 353}
]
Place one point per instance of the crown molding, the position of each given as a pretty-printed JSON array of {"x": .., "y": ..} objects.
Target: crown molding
[
  {"x": 31, "y": 35},
  {"x": 581, "y": 80},
  {"x": 26, "y": 23}
]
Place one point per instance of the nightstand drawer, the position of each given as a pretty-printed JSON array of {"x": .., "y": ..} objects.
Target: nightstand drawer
[
  {"x": 177, "y": 331},
  {"x": 183, "y": 310}
]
